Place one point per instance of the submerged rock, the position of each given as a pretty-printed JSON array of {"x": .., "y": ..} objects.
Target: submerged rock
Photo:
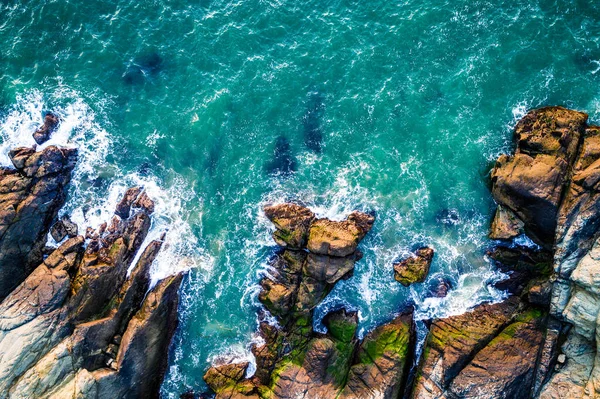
[{"x": 415, "y": 268}]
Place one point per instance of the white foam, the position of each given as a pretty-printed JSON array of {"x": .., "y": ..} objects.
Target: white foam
[{"x": 79, "y": 128}]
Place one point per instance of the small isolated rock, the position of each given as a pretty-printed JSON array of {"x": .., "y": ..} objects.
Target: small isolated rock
[
  {"x": 292, "y": 222},
  {"x": 415, "y": 268},
  {"x": 562, "y": 358},
  {"x": 506, "y": 225},
  {"x": 43, "y": 133},
  {"x": 63, "y": 228}
]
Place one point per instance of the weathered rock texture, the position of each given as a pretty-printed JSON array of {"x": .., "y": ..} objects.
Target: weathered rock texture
[
  {"x": 30, "y": 198},
  {"x": 541, "y": 342},
  {"x": 295, "y": 361},
  {"x": 550, "y": 186},
  {"x": 75, "y": 326},
  {"x": 415, "y": 268}
]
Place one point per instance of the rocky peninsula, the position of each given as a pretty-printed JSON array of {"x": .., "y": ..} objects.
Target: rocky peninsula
[
  {"x": 73, "y": 323},
  {"x": 540, "y": 342}
]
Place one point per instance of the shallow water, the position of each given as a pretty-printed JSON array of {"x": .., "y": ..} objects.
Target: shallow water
[{"x": 218, "y": 107}]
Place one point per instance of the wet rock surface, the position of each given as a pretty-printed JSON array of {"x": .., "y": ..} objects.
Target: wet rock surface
[
  {"x": 415, "y": 268},
  {"x": 296, "y": 361},
  {"x": 30, "y": 197},
  {"x": 72, "y": 324}
]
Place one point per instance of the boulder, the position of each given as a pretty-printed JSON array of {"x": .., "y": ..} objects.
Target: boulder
[
  {"x": 43, "y": 133},
  {"x": 415, "y": 268},
  {"x": 531, "y": 182},
  {"x": 327, "y": 237},
  {"x": 506, "y": 225},
  {"x": 292, "y": 223}
]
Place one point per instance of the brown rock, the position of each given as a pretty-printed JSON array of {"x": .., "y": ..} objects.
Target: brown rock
[
  {"x": 452, "y": 342},
  {"x": 43, "y": 133},
  {"x": 124, "y": 206},
  {"x": 292, "y": 222},
  {"x": 382, "y": 362},
  {"x": 507, "y": 364},
  {"x": 333, "y": 238},
  {"x": 505, "y": 225},
  {"x": 531, "y": 182},
  {"x": 414, "y": 269},
  {"x": 31, "y": 197}
]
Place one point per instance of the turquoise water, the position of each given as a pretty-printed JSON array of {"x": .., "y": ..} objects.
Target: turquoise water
[{"x": 219, "y": 107}]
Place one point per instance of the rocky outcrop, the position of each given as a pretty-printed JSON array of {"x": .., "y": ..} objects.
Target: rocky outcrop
[
  {"x": 296, "y": 361},
  {"x": 555, "y": 200},
  {"x": 531, "y": 182},
  {"x": 75, "y": 325},
  {"x": 30, "y": 198},
  {"x": 43, "y": 133},
  {"x": 415, "y": 268}
]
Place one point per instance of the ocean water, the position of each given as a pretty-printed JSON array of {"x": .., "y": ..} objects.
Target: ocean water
[{"x": 219, "y": 107}]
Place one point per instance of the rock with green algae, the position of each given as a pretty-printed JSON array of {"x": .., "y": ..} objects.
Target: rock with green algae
[
  {"x": 415, "y": 268},
  {"x": 382, "y": 361},
  {"x": 292, "y": 223}
]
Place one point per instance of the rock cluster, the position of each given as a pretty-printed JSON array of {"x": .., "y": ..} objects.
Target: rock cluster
[
  {"x": 541, "y": 342},
  {"x": 296, "y": 361},
  {"x": 72, "y": 323}
]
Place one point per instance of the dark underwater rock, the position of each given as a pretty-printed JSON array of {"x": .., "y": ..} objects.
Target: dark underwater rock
[
  {"x": 283, "y": 161},
  {"x": 311, "y": 122}
]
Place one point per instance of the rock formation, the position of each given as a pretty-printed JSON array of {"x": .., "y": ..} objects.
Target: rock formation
[
  {"x": 43, "y": 133},
  {"x": 72, "y": 323},
  {"x": 540, "y": 342},
  {"x": 30, "y": 197},
  {"x": 296, "y": 361},
  {"x": 415, "y": 268}
]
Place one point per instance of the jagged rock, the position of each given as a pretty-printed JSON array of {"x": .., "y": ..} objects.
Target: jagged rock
[
  {"x": 333, "y": 238},
  {"x": 294, "y": 361},
  {"x": 124, "y": 206},
  {"x": 414, "y": 269},
  {"x": 43, "y": 133},
  {"x": 30, "y": 196},
  {"x": 531, "y": 182},
  {"x": 228, "y": 380},
  {"x": 292, "y": 223},
  {"x": 452, "y": 342},
  {"x": 383, "y": 360},
  {"x": 506, "y": 365},
  {"x": 82, "y": 328},
  {"x": 63, "y": 228},
  {"x": 506, "y": 225}
]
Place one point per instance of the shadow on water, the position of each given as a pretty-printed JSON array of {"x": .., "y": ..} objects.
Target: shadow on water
[
  {"x": 283, "y": 161},
  {"x": 587, "y": 60},
  {"x": 311, "y": 121},
  {"x": 143, "y": 67}
]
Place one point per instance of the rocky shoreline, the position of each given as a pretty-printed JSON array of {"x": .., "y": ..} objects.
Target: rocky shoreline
[
  {"x": 540, "y": 342},
  {"x": 73, "y": 323}
]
